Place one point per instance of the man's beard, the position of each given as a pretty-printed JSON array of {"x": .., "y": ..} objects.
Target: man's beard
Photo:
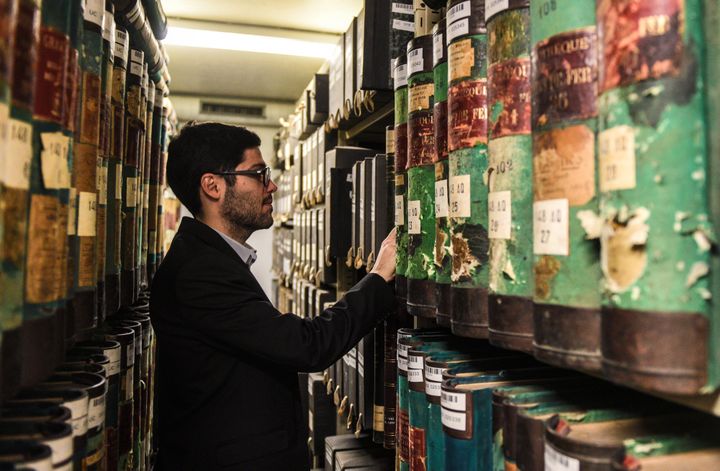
[{"x": 242, "y": 214}]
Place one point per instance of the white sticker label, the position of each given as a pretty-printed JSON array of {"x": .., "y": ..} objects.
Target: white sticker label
[
  {"x": 617, "y": 159},
  {"x": 121, "y": 45},
  {"x": 433, "y": 373},
  {"x": 432, "y": 388},
  {"x": 402, "y": 25},
  {"x": 87, "y": 214},
  {"x": 402, "y": 364},
  {"x": 441, "y": 199},
  {"x": 72, "y": 213},
  {"x": 54, "y": 160},
  {"x": 415, "y": 376},
  {"x": 94, "y": 11},
  {"x": 555, "y": 461},
  {"x": 136, "y": 69},
  {"x": 493, "y": 7},
  {"x": 414, "y": 217},
  {"x": 499, "y": 215},
  {"x": 137, "y": 56},
  {"x": 108, "y": 27},
  {"x": 399, "y": 210},
  {"x": 78, "y": 415},
  {"x": 131, "y": 188},
  {"x": 416, "y": 362},
  {"x": 400, "y": 76},
  {"x": 461, "y": 10},
  {"x": 453, "y": 401},
  {"x": 453, "y": 420},
  {"x": 438, "y": 48},
  {"x": 551, "y": 228},
  {"x": 18, "y": 155},
  {"x": 113, "y": 366},
  {"x": 403, "y": 8},
  {"x": 96, "y": 412},
  {"x": 416, "y": 61},
  {"x": 102, "y": 184},
  {"x": 457, "y": 29},
  {"x": 460, "y": 196}
]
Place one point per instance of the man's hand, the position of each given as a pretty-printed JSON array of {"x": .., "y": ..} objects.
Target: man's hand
[{"x": 385, "y": 263}]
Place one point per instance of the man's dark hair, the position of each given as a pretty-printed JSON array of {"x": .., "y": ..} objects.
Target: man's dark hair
[{"x": 201, "y": 148}]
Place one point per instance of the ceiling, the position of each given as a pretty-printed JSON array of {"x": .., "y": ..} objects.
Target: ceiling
[{"x": 270, "y": 77}]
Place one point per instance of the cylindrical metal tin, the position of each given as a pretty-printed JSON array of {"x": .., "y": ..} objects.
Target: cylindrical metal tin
[
  {"x": 401, "y": 158},
  {"x": 26, "y": 455},
  {"x": 57, "y": 435},
  {"x": 467, "y": 166}
]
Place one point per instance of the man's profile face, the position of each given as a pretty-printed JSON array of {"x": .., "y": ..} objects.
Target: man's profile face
[{"x": 248, "y": 203}]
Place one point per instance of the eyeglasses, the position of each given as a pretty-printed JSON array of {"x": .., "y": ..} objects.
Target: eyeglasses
[{"x": 263, "y": 173}]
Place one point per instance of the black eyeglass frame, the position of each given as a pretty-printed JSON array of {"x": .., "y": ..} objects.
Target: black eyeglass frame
[{"x": 264, "y": 173}]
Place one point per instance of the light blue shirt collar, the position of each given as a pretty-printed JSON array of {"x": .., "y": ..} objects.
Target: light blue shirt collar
[{"x": 246, "y": 253}]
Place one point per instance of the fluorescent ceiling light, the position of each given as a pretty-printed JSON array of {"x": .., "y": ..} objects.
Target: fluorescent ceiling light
[{"x": 205, "y": 39}]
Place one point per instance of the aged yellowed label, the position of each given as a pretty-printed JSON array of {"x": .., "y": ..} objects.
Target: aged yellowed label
[
  {"x": 617, "y": 158},
  {"x": 461, "y": 58},
  {"x": 419, "y": 97},
  {"x": 41, "y": 283}
]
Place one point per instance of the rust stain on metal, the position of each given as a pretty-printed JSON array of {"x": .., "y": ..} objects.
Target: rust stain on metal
[{"x": 546, "y": 269}]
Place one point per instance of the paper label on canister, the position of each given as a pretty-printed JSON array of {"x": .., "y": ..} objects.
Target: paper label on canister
[
  {"x": 493, "y": 7},
  {"x": 18, "y": 154},
  {"x": 461, "y": 10},
  {"x": 118, "y": 181},
  {"x": 419, "y": 97},
  {"x": 499, "y": 215},
  {"x": 415, "y": 376},
  {"x": 62, "y": 449},
  {"x": 130, "y": 353},
  {"x": 556, "y": 461},
  {"x": 138, "y": 56},
  {"x": 113, "y": 365},
  {"x": 399, "y": 210},
  {"x": 453, "y": 401},
  {"x": 438, "y": 48},
  {"x": 616, "y": 157},
  {"x": 402, "y": 364},
  {"x": 416, "y": 61},
  {"x": 432, "y": 388},
  {"x": 402, "y": 25},
  {"x": 433, "y": 373},
  {"x": 78, "y": 415},
  {"x": 108, "y": 27},
  {"x": 72, "y": 213},
  {"x": 414, "y": 226},
  {"x": 441, "y": 199},
  {"x": 460, "y": 196},
  {"x": 102, "y": 184},
  {"x": 136, "y": 69},
  {"x": 121, "y": 45},
  {"x": 54, "y": 160},
  {"x": 457, "y": 29},
  {"x": 453, "y": 420},
  {"x": 551, "y": 229},
  {"x": 94, "y": 11},
  {"x": 96, "y": 412},
  {"x": 416, "y": 362},
  {"x": 403, "y": 8},
  {"x": 87, "y": 214},
  {"x": 131, "y": 192},
  {"x": 400, "y": 76},
  {"x": 4, "y": 119},
  {"x": 461, "y": 58}
]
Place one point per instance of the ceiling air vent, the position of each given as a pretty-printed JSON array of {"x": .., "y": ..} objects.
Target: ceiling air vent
[{"x": 225, "y": 109}]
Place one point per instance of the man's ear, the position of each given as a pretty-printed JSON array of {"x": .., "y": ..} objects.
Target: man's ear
[{"x": 212, "y": 186}]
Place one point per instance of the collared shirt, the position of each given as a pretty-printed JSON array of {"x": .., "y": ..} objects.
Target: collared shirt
[{"x": 246, "y": 253}]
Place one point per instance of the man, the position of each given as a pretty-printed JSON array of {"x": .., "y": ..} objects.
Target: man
[{"x": 227, "y": 359}]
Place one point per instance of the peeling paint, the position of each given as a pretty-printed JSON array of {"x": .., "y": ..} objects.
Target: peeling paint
[
  {"x": 509, "y": 271},
  {"x": 697, "y": 271},
  {"x": 592, "y": 224},
  {"x": 680, "y": 266},
  {"x": 698, "y": 175},
  {"x": 623, "y": 254},
  {"x": 546, "y": 269},
  {"x": 705, "y": 294},
  {"x": 702, "y": 241},
  {"x": 635, "y": 293},
  {"x": 463, "y": 261}
]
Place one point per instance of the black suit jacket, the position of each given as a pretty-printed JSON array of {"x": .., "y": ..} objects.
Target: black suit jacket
[{"x": 228, "y": 360}]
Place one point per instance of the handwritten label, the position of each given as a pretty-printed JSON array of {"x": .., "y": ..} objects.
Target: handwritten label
[
  {"x": 493, "y": 7},
  {"x": 457, "y": 29},
  {"x": 399, "y": 210},
  {"x": 402, "y": 25},
  {"x": 617, "y": 159},
  {"x": 500, "y": 215},
  {"x": 556, "y": 461},
  {"x": 551, "y": 227},
  {"x": 461, "y": 10},
  {"x": 94, "y": 11},
  {"x": 136, "y": 69},
  {"x": 460, "y": 196},
  {"x": 54, "y": 160},
  {"x": 403, "y": 8},
  {"x": 441, "y": 199},
  {"x": 87, "y": 214},
  {"x": 454, "y": 420},
  {"x": 414, "y": 217},
  {"x": 121, "y": 45},
  {"x": 416, "y": 61},
  {"x": 18, "y": 156}
]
